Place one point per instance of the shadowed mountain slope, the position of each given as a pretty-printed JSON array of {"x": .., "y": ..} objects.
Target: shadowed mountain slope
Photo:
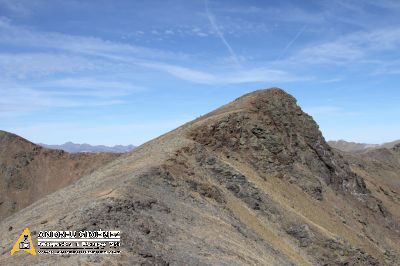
[
  {"x": 251, "y": 183},
  {"x": 28, "y": 172},
  {"x": 380, "y": 168}
]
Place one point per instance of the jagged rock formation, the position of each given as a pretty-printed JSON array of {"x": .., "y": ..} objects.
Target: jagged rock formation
[
  {"x": 251, "y": 183},
  {"x": 29, "y": 172}
]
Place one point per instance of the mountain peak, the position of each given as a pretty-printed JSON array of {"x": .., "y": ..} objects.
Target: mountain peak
[
  {"x": 270, "y": 131},
  {"x": 270, "y": 99},
  {"x": 269, "y": 92}
]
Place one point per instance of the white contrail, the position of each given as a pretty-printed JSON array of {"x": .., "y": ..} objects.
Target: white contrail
[
  {"x": 291, "y": 42},
  {"x": 220, "y": 34}
]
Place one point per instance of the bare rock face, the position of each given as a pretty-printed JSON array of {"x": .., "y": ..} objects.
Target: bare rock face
[
  {"x": 28, "y": 172},
  {"x": 251, "y": 183},
  {"x": 276, "y": 137}
]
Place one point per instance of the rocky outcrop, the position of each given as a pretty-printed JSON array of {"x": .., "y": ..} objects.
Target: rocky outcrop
[
  {"x": 396, "y": 148},
  {"x": 276, "y": 137}
]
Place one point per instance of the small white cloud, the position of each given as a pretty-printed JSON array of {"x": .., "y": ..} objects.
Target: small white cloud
[
  {"x": 196, "y": 29},
  {"x": 201, "y": 34}
]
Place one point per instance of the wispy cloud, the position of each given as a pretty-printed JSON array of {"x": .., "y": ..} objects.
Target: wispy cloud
[
  {"x": 291, "y": 42},
  {"x": 16, "y": 100},
  {"x": 83, "y": 45},
  {"x": 293, "y": 13},
  {"x": 23, "y": 65},
  {"x": 244, "y": 76},
  {"x": 74, "y": 54},
  {"x": 336, "y": 52},
  {"x": 215, "y": 26},
  {"x": 90, "y": 83},
  {"x": 21, "y": 98},
  {"x": 363, "y": 47},
  {"x": 98, "y": 88}
]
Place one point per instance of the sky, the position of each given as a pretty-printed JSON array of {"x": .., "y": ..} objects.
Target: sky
[{"x": 124, "y": 72}]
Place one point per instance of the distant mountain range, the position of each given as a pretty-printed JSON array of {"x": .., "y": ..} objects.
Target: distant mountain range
[
  {"x": 75, "y": 148},
  {"x": 360, "y": 147}
]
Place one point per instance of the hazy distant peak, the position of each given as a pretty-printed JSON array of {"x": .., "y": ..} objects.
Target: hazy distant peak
[
  {"x": 75, "y": 147},
  {"x": 348, "y": 146}
]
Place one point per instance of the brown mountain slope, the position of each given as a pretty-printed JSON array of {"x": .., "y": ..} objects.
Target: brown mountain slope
[
  {"x": 252, "y": 183},
  {"x": 29, "y": 172},
  {"x": 360, "y": 147},
  {"x": 380, "y": 168}
]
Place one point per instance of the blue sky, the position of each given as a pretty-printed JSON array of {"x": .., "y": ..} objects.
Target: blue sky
[{"x": 124, "y": 72}]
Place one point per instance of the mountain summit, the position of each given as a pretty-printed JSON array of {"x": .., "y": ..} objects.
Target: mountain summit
[
  {"x": 251, "y": 183},
  {"x": 269, "y": 131}
]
